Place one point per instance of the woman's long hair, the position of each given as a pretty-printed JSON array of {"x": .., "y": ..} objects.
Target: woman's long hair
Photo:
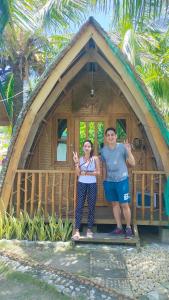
[{"x": 92, "y": 148}]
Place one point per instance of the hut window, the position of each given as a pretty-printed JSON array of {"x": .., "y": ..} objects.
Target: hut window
[
  {"x": 121, "y": 129},
  {"x": 62, "y": 136}
]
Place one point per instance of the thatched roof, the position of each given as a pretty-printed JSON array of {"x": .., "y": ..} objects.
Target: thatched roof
[{"x": 150, "y": 104}]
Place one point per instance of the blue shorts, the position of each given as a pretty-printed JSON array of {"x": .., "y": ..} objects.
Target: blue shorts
[{"x": 117, "y": 191}]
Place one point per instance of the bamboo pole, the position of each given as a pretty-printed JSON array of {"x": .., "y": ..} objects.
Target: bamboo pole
[
  {"x": 96, "y": 139},
  {"x": 32, "y": 194},
  {"x": 53, "y": 194},
  {"x": 26, "y": 192},
  {"x": 134, "y": 198},
  {"x": 46, "y": 193},
  {"x": 87, "y": 130},
  {"x": 160, "y": 198},
  {"x": 142, "y": 195},
  {"x": 60, "y": 194},
  {"x": 40, "y": 192},
  {"x": 44, "y": 171},
  {"x": 67, "y": 196},
  {"x": 152, "y": 198},
  {"x": 18, "y": 201},
  {"x": 75, "y": 196},
  {"x": 149, "y": 172}
]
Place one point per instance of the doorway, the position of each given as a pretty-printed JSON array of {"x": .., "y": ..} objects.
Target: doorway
[{"x": 92, "y": 128}]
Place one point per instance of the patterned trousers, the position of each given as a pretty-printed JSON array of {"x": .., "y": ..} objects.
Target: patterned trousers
[{"x": 83, "y": 190}]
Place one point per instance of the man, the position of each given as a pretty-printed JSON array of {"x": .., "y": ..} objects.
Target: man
[{"x": 116, "y": 186}]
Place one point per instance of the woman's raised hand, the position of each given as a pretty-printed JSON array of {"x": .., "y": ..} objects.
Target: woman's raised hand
[{"x": 75, "y": 157}]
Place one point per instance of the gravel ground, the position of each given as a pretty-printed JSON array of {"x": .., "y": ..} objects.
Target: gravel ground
[{"x": 149, "y": 269}]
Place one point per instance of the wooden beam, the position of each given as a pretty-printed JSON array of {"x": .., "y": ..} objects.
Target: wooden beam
[
  {"x": 137, "y": 108},
  {"x": 153, "y": 132},
  {"x": 49, "y": 102}
]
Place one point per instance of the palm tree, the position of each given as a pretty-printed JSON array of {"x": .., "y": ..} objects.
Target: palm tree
[
  {"x": 147, "y": 49},
  {"x": 154, "y": 68},
  {"x": 63, "y": 11},
  {"x": 24, "y": 46},
  {"x": 26, "y": 49}
]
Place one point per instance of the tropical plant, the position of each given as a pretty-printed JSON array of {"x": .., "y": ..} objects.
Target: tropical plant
[
  {"x": 65, "y": 229},
  {"x": 139, "y": 10},
  {"x": 26, "y": 47},
  {"x": 52, "y": 229},
  {"x": 147, "y": 50},
  {"x": 37, "y": 228},
  {"x": 8, "y": 226}
]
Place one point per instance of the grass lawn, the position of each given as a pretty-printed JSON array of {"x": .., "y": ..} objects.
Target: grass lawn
[{"x": 21, "y": 286}]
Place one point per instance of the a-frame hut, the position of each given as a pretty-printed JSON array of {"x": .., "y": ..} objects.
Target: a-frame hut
[{"x": 90, "y": 86}]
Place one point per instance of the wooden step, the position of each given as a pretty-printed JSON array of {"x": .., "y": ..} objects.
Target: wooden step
[{"x": 107, "y": 238}]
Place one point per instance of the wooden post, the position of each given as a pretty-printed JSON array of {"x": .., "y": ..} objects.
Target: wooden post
[
  {"x": 142, "y": 195},
  {"x": 18, "y": 203},
  {"x": 46, "y": 193},
  {"x": 87, "y": 130},
  {"x": 32, "y": 194},
  {"x": 152, "y": 198},
  {"x": 134, "y": 198},
  {"x": 75, "y": 195},
  {"x": 95, "y": 140},
  {"x": 40, "y": 192},
  {"x": 60, "y": 194},
  {"x": 53, "y": 195},
  {"x": 26, "y": 192},
  {"x": 67, "y": 196},
  {"x": 160, "y": 198}
]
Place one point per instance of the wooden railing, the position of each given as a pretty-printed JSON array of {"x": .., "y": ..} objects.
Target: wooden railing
[
  {"x": 50, "y": 191},
  {"x": 148, "y": 198},
  {"x": 54, "y": 193}
]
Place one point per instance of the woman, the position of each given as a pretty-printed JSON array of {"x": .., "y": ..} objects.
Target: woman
[{"x": 87, "y": 168}]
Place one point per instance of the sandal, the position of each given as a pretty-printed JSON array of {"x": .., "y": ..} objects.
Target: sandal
[
  {"x": 89, "y": 234},
  {"x": 76, "y": 236}
]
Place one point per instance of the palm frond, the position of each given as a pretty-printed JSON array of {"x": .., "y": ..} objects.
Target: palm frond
[
  {"x": 60, "y": 14},
  {"x": 139, "y": 10},
  {"x": 4, "y": 14}
]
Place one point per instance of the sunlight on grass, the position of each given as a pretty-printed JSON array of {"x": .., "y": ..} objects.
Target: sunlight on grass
[{"x": 18, "y": 286}]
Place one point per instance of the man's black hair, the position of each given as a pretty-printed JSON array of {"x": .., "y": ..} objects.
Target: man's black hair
[{"x": 110, "y": 128}]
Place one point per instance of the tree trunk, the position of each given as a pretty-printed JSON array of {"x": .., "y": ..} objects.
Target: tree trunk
[{"x": 18, "y": 91}]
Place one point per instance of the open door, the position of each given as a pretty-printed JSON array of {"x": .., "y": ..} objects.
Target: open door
[{"x": 92, "y": 128}]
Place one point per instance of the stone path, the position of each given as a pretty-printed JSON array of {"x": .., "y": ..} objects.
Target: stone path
[
  {"x": 109, "y": 269},
  {"x": 93, "y": 272},
  {"x": 75, "y": 286}
]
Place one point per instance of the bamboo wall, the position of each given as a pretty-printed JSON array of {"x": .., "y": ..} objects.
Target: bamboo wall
[{"x": 109, "y": 104}]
